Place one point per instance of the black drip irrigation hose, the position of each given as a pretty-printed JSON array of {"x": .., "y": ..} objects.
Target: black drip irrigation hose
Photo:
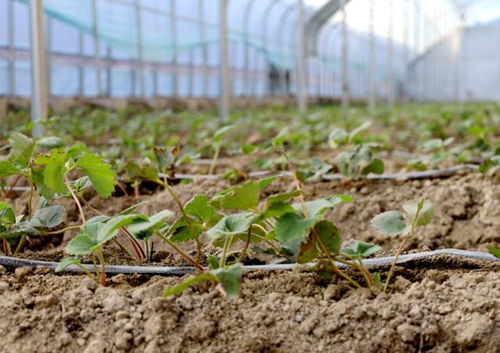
[
  {"x": 434, "y": 173},
  {"x": 13, "y": 262}
]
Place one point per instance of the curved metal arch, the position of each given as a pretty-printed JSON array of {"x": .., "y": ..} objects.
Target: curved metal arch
[{"x": 318, "y": 19}]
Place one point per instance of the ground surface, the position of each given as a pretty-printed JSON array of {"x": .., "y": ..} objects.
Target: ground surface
[
  {"x": 428, "y": 310},
  {"x": 439, "y": 306}
]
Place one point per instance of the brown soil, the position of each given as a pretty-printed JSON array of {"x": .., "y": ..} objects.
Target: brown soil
[{"x": 428, "y": 310}]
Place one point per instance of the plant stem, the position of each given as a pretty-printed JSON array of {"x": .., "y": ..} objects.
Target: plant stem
[
  {"x": 62, "y": 230},
  {"x": 400, "y": 249},
  {"x": 12, "y": 185},
  {"x": 227, "y": 242},
  {"x": 122, "y": 247},
  {"x": 86, "y": 271},
  {"x": 247, "y": 243},
  {"x": 95, "y": 210},
  {"x": 103, "y": 265},
  {"x": 181, "y": 252},
  {"x": 78, "y": 204},
  {"x": 137, "y": 247},
  {"x": 214, "y": 159}
]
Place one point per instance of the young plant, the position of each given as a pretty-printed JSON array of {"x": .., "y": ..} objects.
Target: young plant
[
  {"x": 359, "y": 162},
  {"x": 14, "y": 230},
  {"x": 417, "y": 213},
  {"x": 493, "y": 250},
  {"x": 100, "y": 230},
  {"x": 217, "y": 143}
]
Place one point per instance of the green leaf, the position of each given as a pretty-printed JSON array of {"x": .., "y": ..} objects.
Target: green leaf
[
  {"x": 37, "y": 175},
  {"x": 22, "y": 147},
  {"x": 132, "y": 208},
  {"x": 6, "y": 214},
  {"x": 329, "y": 236},
  {"x": 111, "y": 227},
  {"x": 153, "y": 222},
  {"x": 376, "y": 166},
  {"x": 264, "y": 183},
  {"x": 424, "y": 208},
  {"x": 230, "y": 225},
  {"x": 218, "y": 134},
  {"x": 293, "y": 226},
  {"x": 50, "y": 142},
  {"x": 189, "y": 282},
  {"x": 243, "y": 197},
  {"x": 282, "y": 197},
  {"x": 8, "y": 167},
  {"x": 98, "y": 219},
  {"x": 276, "y": 209},
  {"x": 180, "y": 231},
  {"x": 200, "y": 208},
  {"x": 100, "y": 173},
  {"x": 494, "y": 250},
  {"x": 80, "y": 245},
  {"x": 230, "y": 279},
  {"x": 337, "y": 136},
  {"x": 55, "y": 171},
  {"x": 390, "y": 222},
  {"x": 213, "y": 262},
  {"x": 317, "y": 208},
  {"x": 360, "y": 250},
  {"x": 67, "y": 261},
  {"x": 51, "y": 216}
]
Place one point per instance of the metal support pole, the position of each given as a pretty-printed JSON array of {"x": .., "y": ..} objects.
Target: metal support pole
[
  {"x": 39, "y": 100},
  {"x": 97, "y": 55},
  {"x": 224, "y": 61},
  {"x": 246, "y": 62},
  {"x": 372, "y": 98},
  {"x": 140, "y": 49},
  {"x": 173, "y": 28},
  {"x": 11, "y": 68},
  {"x": 301, "y": 62},
  {"x": 345, "y": 59},
  {"x": 206, "y": 73},
  {"x": 391, "y": 99}
]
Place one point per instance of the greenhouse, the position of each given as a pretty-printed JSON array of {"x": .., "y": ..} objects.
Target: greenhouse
[{"x": 286, "y": 176}]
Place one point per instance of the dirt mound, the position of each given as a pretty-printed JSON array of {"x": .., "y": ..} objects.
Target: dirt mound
[{"x": 428, "y": 310}]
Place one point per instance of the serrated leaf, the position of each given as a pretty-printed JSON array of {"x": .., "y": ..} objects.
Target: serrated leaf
[
  {"x": 282, "y": 197},
  {"x": 293, "y": 226},
  {"x": 200, "y": 208},
  {"x": 230, "y": 279},
  {"x": 67, "y": 261},
  {"x": 80, "y": 245},
  {"x": 390, "y": 222},
  {"x": 51, "y": 216},
  {"x": 329, "y": 235},
  {"x": 243, "y": 197},
  {"x": 318, "y": 207},
  {"x": 55, "y": 170},
  {"x": 180, "y": 231},
  {"x": 360, "y": 250},
  {"x": 8, "y": 167},
  {"x": 424, "y": 208},
  {"x": 230, "y": 225},
  {"x": 276, "y": 209},
  {"x": 22, "y": 147},
  {"x": 98, "y": 219},
  {"x": 101, "y": 175}
]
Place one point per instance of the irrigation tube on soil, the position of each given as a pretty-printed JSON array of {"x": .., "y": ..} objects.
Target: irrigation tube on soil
[
  {"x": 327, "y": 177},
  {"x": 12, "y": 262}
]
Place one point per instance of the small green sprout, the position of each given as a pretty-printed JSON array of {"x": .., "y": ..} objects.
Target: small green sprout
[{"x": 417, "y": 213}]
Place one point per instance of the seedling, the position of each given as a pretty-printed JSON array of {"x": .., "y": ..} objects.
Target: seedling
[
  {"x": 217, "y": 143},
  {"x": 13, "y": 230},
  {"x": 359, "y": 162},
  {"x": 417, "y": 213}
]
